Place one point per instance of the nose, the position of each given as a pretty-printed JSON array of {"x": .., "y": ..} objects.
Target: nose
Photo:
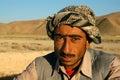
[{"x": 67, "y": 47}]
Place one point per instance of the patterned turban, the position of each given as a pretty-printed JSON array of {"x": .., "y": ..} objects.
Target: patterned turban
[{"x": 78, "y": 16}]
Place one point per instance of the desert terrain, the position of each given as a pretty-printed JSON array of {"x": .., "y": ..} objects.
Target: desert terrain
[
  {"x": 23, "y": 41},
  {"x": 17, "y": 51}
]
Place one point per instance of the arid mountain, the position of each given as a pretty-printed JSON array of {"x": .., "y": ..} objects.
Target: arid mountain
[
  {"x": 108, "y": 25},
  {"x": 24, "y": 27}
]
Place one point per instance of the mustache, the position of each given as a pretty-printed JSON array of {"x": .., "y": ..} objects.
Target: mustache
[{"x": 66, "y": 54}]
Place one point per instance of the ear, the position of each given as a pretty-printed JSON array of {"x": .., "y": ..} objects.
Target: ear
[{"x": 87, "y": 44}]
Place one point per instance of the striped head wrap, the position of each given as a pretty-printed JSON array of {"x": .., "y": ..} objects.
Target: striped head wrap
[{"x": 78, "y": 16}]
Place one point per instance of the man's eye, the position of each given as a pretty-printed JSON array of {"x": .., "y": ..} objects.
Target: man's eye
[
  {"x": 58, "y": 37},
  {"x": 76, "y": 38}
]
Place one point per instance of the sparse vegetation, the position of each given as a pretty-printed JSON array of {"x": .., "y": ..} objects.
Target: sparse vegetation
[{"x": 109, "y": 44}]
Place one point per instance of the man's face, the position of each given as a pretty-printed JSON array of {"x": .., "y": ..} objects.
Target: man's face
[{"x": 70, "y": 45}]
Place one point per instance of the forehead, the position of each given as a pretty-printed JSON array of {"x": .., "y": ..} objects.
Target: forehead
[{"x": 68, "y": 30}]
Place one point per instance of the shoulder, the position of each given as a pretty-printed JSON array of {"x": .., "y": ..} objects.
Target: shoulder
[
  {"x": 45, "y": 65},
  {"x": 47, "y": 58},
  {"x": 47, "y": 61},
  {"x": 101, "y": 54},
  {"x": 104, "y": 63},
  {"x": 101, "y": 57}
]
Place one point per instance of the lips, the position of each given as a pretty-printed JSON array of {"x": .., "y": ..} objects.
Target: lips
[{"x": 66, "y": 58}]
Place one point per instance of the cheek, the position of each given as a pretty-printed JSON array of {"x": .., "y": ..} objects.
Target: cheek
[
  {"x": 81, "y": 48},
  {"x": 58, "y": 45}
]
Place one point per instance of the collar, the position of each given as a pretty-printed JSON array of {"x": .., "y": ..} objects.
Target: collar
[{"x": 85, "y": 67}]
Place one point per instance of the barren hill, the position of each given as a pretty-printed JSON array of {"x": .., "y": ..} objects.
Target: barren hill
[
  {"x": 108, "y": 24},
  {"x": 24, "y": 27}
]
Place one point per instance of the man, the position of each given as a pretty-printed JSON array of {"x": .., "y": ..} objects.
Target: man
[{"x": 73, "y": 29}]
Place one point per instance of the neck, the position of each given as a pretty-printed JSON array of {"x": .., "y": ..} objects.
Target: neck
[
  {"x": 74, "y": 66},
  {"x": 71, "y": 72}
]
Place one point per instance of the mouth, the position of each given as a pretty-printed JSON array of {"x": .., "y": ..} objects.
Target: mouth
[{"x": 66, "y": 58}]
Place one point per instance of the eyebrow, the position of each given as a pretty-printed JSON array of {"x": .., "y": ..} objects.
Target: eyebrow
[{"x": 71, "y": 35}]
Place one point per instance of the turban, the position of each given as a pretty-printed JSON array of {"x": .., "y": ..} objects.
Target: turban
[{"x": 78, "y": 16}]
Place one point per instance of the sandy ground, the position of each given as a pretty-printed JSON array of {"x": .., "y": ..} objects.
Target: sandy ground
[
  {"x": 16, "y": 62},
  {"x": 17, "y": 53}
]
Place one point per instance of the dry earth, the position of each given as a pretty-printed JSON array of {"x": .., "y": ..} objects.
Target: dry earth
[{"x": 17, "y": 52}]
